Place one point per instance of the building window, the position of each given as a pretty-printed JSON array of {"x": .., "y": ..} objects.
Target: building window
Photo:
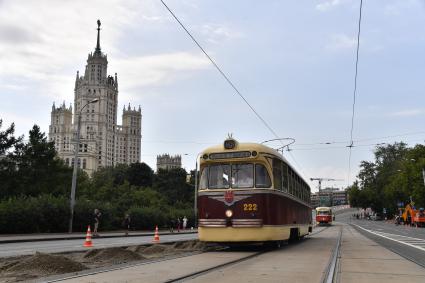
[{"x": 84, "y": 163}]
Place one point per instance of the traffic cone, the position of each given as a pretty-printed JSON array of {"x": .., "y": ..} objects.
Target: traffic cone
[
  {"x": 88, "y": 242},
  {"x": 156, "y": 237}
]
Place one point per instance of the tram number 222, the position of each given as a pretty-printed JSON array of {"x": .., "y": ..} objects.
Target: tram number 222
[{"x": 250, "y": 207}]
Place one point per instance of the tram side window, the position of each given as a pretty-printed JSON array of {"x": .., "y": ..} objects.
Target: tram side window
[
  {"x": 277, "y": 174},
  {"x": 262, "y": 178},
  {"x": 285, "y": 176},
  {"x": 290, "y": 180},
  {"x": 219, "y": 176},
  {"x": 203, "y": 183}
]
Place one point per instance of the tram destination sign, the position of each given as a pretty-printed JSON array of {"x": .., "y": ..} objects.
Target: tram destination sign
[{"x": 229, "y": 155}]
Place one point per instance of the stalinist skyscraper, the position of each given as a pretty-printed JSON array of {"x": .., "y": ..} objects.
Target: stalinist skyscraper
[{"x": 102, "y": 141}]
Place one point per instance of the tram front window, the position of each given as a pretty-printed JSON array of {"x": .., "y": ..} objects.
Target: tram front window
[
  {"x": 219, "y": 176},
  {"x": 242, "y": 175},
  {"x": 323, "y": 213},
  {"x": 203, "y": 184},
  {"x": 262, "y": 178}
]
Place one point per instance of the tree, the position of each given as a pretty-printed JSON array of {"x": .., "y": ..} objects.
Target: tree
[{"x": 140, "y": 174}]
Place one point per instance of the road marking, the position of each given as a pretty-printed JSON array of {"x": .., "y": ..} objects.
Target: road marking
[{"x": 393, "y": 237}]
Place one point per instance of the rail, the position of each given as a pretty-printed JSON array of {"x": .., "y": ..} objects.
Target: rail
[{"x": 330, "y": 275}]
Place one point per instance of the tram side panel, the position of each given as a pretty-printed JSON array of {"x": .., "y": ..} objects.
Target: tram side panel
[{"x": 254, "y": 217}]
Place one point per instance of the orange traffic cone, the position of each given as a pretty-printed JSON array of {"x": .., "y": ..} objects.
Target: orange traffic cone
[
  {"x": 88, "y": 242},
  {"x": 156, "y": 237}
]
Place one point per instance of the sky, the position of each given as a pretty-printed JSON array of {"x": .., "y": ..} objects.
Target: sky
[{"x": 294, "y": 61}]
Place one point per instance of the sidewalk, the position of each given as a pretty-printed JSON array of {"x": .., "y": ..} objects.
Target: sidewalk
[
  {"x": 363, "y": 260},
  {"x": 17, "y": 238}
]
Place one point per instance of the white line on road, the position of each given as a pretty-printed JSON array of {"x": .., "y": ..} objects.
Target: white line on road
[{"x": 393, "y": 237}]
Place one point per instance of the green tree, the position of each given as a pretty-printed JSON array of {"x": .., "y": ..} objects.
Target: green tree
[{"x": 140, "y": 174}]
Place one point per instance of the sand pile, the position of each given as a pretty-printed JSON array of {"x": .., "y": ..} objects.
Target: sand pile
[
  {"x": 42, "y": 263},
  {"x": 189, "y": 245},
  {"x": 116, "y": 255},
  {"x": 137, "y": 249},
  {"x": 155, "y": 249}
]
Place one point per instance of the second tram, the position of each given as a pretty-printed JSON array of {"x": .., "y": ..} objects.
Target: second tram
[
  {"x": 324, "y": 215},
  {"x": 249, "y": 193}
]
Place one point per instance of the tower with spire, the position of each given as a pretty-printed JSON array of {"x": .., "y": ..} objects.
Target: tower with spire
[{"x": 103, "y": 141}]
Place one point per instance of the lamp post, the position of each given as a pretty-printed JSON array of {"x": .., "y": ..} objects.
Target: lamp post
[
  {"x": 74, "y": 173},
  {"x": 195, "y": 203}
]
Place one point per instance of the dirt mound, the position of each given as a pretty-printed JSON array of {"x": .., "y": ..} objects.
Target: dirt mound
[
  {"x": 116, "y": 255},
  {"x": 46, "y": 264},
  {"x": 189, "y": 245},
  {"x": 155, "y": 249},
  {"x": 137, "y": 249}
]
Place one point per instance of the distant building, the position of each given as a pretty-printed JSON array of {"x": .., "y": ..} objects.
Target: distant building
[
  {"x": 102, "y": 141},
  {"x": 166, "y": 162},
  {"x": 329, "y": 197}
]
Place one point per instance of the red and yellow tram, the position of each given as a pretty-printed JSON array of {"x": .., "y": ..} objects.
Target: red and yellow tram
[
  {"x": 324, "y": 215},
  {"x": 248, "y": 192}
]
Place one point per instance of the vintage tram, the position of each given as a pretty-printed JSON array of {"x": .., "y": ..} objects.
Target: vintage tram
[
  {"x": 324, "y": 215},
  {"x": 248, "y": 192}
]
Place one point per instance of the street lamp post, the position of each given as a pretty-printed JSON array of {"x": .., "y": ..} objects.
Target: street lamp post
[{"x": 74, "y": 173}]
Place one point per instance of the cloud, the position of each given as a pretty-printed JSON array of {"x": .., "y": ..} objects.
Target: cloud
[
  {"x": 408, "y": 113},
  {"x": 327, "y": 5},
  {"x": 216, "y": 33},
  {"x": 156, "y": 69},
  {"x": 341, "y": 41}
]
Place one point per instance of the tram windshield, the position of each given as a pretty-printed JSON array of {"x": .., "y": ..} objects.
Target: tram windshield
[
  {"x": 238, "y": 175},
  {"x": 324, "y": 212}
]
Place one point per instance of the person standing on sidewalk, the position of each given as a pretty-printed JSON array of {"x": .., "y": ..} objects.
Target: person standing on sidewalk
[
  {"x": 96, "y": 219},
  {"x": 184, "y": 222},
  {"x": 127, "y": 223},
  {"x": 178, "y": 224}
]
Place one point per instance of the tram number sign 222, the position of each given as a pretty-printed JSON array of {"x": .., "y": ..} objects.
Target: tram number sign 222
[{"x": 250, "y": 207}]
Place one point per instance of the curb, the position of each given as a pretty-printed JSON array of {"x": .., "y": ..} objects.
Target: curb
[{"x": 83, "y": 237}]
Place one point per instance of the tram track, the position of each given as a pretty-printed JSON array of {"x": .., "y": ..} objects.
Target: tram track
[{"x": 332, "y": 269}]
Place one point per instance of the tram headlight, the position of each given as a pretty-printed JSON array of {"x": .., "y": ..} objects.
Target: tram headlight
[{"x": 229, "y": 213}]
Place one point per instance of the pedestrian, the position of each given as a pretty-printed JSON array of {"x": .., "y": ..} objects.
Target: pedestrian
[
  {"x": 126, "y": 224},
  {"x": 178, "y": 224},
  {"x": 184, "y": 222},
  {"x": 172, "y": 225},
  {"x": 96, "y": 220}
]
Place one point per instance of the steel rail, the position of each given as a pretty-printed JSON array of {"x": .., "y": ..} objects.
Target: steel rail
[
  {"x": 332, "y": 268},
  {"x": 217, "y": 267},
  {"x": 99, "y": 270}
]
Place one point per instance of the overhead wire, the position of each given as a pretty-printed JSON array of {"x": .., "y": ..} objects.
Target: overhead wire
[
  {"x": 226, "y": 77},
  {"x": 354, "y": 92}
]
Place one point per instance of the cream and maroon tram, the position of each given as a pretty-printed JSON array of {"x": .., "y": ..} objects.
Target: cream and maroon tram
[
  {"x": 248, "y": 192},
  {"x": 324, "y": 215}
]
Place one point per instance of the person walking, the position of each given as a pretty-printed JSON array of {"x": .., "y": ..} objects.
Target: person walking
[
  {"x": 184, "y": 222},
  {"x": 96, "y": 219},
  {"x": 126, "y": 224}
]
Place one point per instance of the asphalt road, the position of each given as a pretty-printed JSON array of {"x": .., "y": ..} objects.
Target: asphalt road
[
  {"x": 27, "y": 248},
  {"x": 406, "y": 241}
]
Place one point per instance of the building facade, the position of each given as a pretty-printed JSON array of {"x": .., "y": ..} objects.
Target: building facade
[
  {"x": 102, "y": 141},
  {"x": 167, "y": 162},
  {"x": 329, "y": 197}
]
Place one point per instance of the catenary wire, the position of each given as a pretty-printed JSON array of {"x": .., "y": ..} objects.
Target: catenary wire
[
  {"x": 354, "y": 92},
  {"x": 227, "y": 78}
]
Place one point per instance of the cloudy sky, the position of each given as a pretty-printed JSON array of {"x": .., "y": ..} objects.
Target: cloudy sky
[{"x": 292, "y": 60}]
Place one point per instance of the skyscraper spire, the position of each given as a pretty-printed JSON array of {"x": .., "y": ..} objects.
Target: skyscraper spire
[{"x": 97, "y": 50}]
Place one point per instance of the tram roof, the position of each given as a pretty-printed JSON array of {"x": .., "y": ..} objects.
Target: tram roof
[
  {"x": 261, "y": 148},
  {"x": 323, "y": 208}
]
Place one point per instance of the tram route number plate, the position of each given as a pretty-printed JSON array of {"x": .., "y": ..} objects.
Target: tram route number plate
[{"x": 250, "y": 207}]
